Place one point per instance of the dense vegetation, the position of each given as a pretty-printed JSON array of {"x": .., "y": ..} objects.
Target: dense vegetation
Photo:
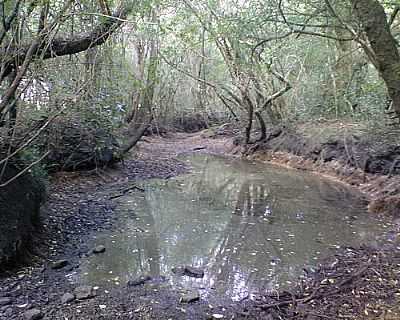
[
  {"x": 74, "y": 71},
  {"x": 311, "y": 84}
]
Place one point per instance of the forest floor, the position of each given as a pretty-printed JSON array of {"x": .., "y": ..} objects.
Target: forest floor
[{"x": 354, "y": 284}]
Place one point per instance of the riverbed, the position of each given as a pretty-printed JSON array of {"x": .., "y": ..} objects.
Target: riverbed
[{"x": 252, "y": 228}]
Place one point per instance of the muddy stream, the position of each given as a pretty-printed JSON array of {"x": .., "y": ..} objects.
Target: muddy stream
[{"x": 250, "y": 227}]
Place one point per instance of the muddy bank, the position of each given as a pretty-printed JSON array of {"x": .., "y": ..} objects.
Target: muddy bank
[
  {"x": 20, "y": 202},
  {"x": 365, "y": 153},
  {"x": 366, "y": 162},
  {"x": 353, "y": 283}
]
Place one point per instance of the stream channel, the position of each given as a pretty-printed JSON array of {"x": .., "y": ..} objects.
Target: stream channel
[{"x": 251, "y": 227}]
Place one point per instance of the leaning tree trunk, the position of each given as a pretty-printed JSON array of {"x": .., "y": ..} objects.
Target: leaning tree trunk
[
  {"x": 137, "y": 135},
  {"x": 387, "y": 59}
]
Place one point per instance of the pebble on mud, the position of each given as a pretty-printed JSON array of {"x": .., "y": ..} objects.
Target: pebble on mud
[
  {"x": 84, "y": 292},
  {"x": 139, "y": 281},
  {"x": 59, "y": 264},
  {"x": 33, "y": 314},
  {"x": 99, "y": 249},
  {"x": 5, "y": 301},
  {"x": 67, "y": 298},
  {"x": 194, "y": 272},
  {"x": 190, "y": 297},
  {"x": 188, "y": 271}
]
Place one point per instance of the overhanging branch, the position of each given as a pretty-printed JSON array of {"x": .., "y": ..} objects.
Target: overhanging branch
[{"x": 61, "y": 46}]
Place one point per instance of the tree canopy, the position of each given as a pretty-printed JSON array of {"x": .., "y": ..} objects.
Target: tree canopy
[{"x": 139, "y": 63}]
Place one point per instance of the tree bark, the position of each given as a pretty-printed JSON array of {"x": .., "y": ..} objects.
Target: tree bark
[
  {"x": 372, "y": 16},
  {"x": 250, "y": 116},
  {"x": 137, "y": 135},
  {"x": 263, "y": 127}
]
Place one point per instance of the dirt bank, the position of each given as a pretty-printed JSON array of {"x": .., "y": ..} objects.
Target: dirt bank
[
  {"x": 369, "y": 162},
  {"x": 20, "y": 201}
]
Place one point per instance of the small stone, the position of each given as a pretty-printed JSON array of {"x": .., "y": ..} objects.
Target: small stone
[
  {"x": 33, "y": 314},
  {"x": 194, "y": 272},
  {"x": 139, "y": 281},
  {"x": 188, "y": 271},
  {"x": 59, "y": 264},
  {"x": 5, "y": 301},
  {"x": 190, "y": 297},
  {"x": 67, "y": 298},
  {"x": 179, "y": 271},
  {"x": 84, "y": 292},
  {"x": 99, "y": 249},
  {"x": 9, "y": 312}
]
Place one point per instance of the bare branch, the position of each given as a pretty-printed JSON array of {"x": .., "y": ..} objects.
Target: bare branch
[
  {"x": 57, "y": 47},
  {"x": 33, "y": 138},
  {"x": 24, "y": 170},
  {"x": 8, "y": 21},
  {"x": 393, "y": 15}
]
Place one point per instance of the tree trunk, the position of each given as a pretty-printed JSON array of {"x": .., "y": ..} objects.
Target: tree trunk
[
  {"x": 387, "y": 59},
  {"x": 250, "y": 115},
  {"x": 137, "y": 135},
  {"x": 140, "y": 49},
  {"x": 263, "y": 127}
]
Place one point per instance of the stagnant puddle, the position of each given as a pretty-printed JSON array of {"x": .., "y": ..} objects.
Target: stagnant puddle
[{"x": 251, "y": 227}]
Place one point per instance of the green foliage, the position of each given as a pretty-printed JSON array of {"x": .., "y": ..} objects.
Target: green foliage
[
  {"x": 190, "y": 69},
  {"x": 38, "y": 171}
]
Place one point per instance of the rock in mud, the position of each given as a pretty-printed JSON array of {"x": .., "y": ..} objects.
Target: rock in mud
[
  {"x": 188, "y": 271},
  {"x": 190, "y": 297},
  {"x": 139, "y": 281},
  {"x": 179, "y": 271},
  {"x": 99, "y": 249},
  {"x": 67, "y": 298},
  {"x": 5, "y": 301},
  {"x": 84, "y": 292},
  {"x": 8, "y": 312},
  {"x": 56, "y": 265},
  {"x": 194, "y": 272},
  {"x": 33, "y": 314}
]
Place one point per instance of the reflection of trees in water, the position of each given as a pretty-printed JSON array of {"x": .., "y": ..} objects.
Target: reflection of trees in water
[
  {"x": 253, "y": 199},
  {"x": 190, "y": 221},
  {"x": 149, "y": 244},
  {"x": 186, "y": 228},
  {"x": 130, "y": 253},
  {"x": 234, "y": 259}
]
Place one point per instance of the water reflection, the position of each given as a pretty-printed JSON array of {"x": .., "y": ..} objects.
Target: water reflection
[{"x": 251, "y": 227}]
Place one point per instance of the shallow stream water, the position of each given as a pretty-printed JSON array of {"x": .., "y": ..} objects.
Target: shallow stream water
[{"x": 251, "y": 227}]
